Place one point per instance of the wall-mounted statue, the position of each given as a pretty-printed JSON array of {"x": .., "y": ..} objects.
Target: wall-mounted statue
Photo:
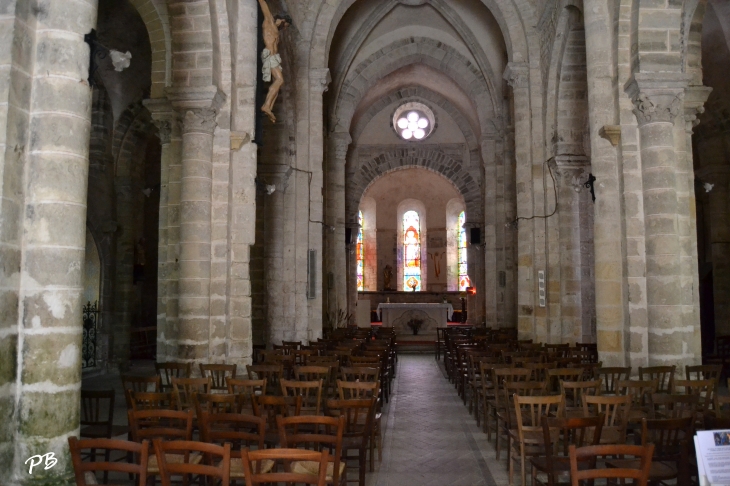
[
  {"x": 387, "y": 277},
  {"x": 270, "y": 56}
]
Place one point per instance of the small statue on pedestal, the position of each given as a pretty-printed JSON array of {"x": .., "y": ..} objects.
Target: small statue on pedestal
[{"x": 387, "y": 277}]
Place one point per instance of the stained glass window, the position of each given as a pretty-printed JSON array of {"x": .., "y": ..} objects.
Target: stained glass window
[
  {"x": 360, "y": 254},
  {"x": 411, "y": 251},
  {"x": 464, "y": 281}
]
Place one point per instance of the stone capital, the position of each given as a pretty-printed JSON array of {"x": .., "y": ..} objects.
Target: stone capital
[
  {"x": 694, "y": 105},
  {"x": 517, "y": 74},
  {"x": 164, "y": 130},
  {"x": 570, "y": 170},
  {"x": 199, "y": 120},
  {"x": 657, "y": 97},
  {"x": 163, "y": 117},
  {"x": 319, "y": 79}
]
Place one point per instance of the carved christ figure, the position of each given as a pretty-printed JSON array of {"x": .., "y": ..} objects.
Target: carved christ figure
[{"x": 270, "y": 56}]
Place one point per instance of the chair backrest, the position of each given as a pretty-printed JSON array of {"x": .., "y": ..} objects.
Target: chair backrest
[
  {"x": 218, "y": 373},
  {"x": 556, "y": 375},
  {"x": 312, "y": 372},
  {"x": 152, "y": 401},
  {"x": 529, "y": 411},
  {"x": 611, "y": 376},
  {"x": 705, "y": 389},
  {"x": 282, "y": 469},
  {"x": 663, "y": 374},
  {"x": 670, "y": 437},
  {"x": 140, "y": 384},
  {"x": 272, "y": 373},
  {"x": 167, "y": 370},
  {"x": 216, "y": 466},
  {"x": 558, "y": 433},
  {"x": 314, "y": 433},
  {"x": 590, "y": 455},
  {"x": 185, "y": 388},
  {"x": 358, "y": 416},
  {"x": 97, "y": 410},
  {"x": 240, "y": 429},
  {"x": 664, "y": 405},
  {"x": 360, "y": 373},
  {"x": 357, "y": 389},
  {"x": 310, "y": 391},
  {"x": 704, "y": 372},
  {"x": 615, "y": 409},
  {"x": 269, "y": 406},
  {"x": 638, "y": 390},
  {"x": 246, "y": 387},
  {"x": 139, "y": 451},
  {"x": 160, "y": 424},
  {"x": 221, "y": 403},
  {"x": 573, "y": 392}
]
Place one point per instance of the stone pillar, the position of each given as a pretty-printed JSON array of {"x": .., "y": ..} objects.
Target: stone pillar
[
  {"x": 162, "y": 115},
  {"x": 335, "y": 263},
  {"x": 516, "y": 75},
  {"x": 319, "y": 80},
  {"x": 657, "y": 100},
  {"x": 198, "y": 109},
  {"x": 571, "y": 172},
  {"x": 42, "y": 239}
]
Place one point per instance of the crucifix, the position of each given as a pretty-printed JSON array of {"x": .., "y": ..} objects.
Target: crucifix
[{"x": 272, "y": 27}]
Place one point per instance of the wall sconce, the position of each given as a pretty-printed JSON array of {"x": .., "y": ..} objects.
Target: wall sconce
[{"x": 589, "y": 185}]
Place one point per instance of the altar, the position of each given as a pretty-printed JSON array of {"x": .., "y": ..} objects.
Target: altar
[{"x": 397, "y": 315}]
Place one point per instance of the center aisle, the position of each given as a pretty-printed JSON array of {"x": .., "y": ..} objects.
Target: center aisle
[{"x": 430, "y": 438}]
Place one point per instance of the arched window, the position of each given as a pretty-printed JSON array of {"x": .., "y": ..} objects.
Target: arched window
[
  {"x": 360, "y": 254},
  {"x": 411, "y": 251},
  {"x": 464, "y": 281}
]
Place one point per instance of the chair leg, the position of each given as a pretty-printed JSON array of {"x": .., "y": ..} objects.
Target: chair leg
[
  {"x": 522, "y": 463},
  {"x": 372, "y": 450},
  {"x": 361, "y": 460},
  {"x": 510, "y": 461},
  {"x": 496, "y": 432}
]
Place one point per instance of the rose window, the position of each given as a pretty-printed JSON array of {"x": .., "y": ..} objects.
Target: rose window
[{"x": 413, "y": 121}]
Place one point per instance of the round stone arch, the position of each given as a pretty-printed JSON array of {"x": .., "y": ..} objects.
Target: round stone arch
[
  {"x": 427, "y": 157},
  {"x": 155, "y": 16},
  {"x": 692, "y": 18},
  {"x": 451, "y": 17},
  {"x": 417, "y": 93},
  {"x": 400, "y": 54},
  {"x": 511, "y": 15}
]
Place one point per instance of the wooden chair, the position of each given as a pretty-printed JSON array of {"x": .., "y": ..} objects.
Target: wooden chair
[
  {"x": 169, "y": 369},
  {"x": 556, "y": 375},
  {"x": 161, "y": 424},
  {"x": 354, "y": 390},
  {"x": 310, "y": 391},
  {"x": 269, "y": 406},
  {"x": 611, "y": 376},
  {"x": 218, "y": 373},
  {"x": 185, "y": 388},
  {"x": 240, "y": 430},
  {"x": 134, "y": 383},
  {"x": 663, "y": 374},
  {"x": 615, "y": 409},
  {"x": 282, "y": 470},
  {"x": 704, "y": 389},
  {"x": 272, "y": 373},
  {"x": 315, "y": 433},
  {"x": 82, "y": 470},
  {"x": 220, "y": 403},
  {"x": 360, "y": 373},
  {"x": 573, "y": 392},
  {"x": 246, "y": 388},
  {"x": 358, "y": 428},
  {"x": 506, "y": 420},
  {"x": 590, "y": 455},
  {"x": 184, "y": 452},
  {"x": 528, "y": 440},
  {"x": 487, "y": 393},
  {"x": 704, "y": 372},
  {"x": 640, "y": 391},
  {"x": 97, "y": 419},
  {"x": 665, "y": 406},
  {"x": 559, "y": 433},
  {"x": 670, "y": 438},
  {"x": 499, "y": 377},
  {"x": 152, "y": 401}
]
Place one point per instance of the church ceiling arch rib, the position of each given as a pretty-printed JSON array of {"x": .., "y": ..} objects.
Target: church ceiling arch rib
[
  {"x": 157, "y": 20},
  {"x": 441, "y": 59},
  {"x": 415, "y": 92},
  {"x": 430, "y": 157},
  {"x": 468, "y": 40}
]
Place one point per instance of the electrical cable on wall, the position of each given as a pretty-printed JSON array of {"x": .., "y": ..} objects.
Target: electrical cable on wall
[{"x": 514, "y": 223}]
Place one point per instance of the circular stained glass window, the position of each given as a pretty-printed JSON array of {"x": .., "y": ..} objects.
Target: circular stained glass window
[{"x": 413, "y": 121}]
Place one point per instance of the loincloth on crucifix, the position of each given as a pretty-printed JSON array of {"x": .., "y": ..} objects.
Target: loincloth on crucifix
[{"x": 270, "y": 61}]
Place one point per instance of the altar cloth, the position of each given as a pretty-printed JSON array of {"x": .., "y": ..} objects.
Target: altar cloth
[{"x": 398, "y": 315}]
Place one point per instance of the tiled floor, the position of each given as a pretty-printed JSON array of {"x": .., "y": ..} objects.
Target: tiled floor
[{"x": 430, "y": 438}]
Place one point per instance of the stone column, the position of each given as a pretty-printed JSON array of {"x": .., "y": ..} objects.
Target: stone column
[
  {"x": 516, "y": 76},
  {"x": 162, "y": 115},
  {"x": 198, "y": 109},
  {"x": 45, "y": 170},
  {"x": 335, "y": 263},
  {"x": 570, "y": 174},
  {"x": 657, "y": 100}
]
